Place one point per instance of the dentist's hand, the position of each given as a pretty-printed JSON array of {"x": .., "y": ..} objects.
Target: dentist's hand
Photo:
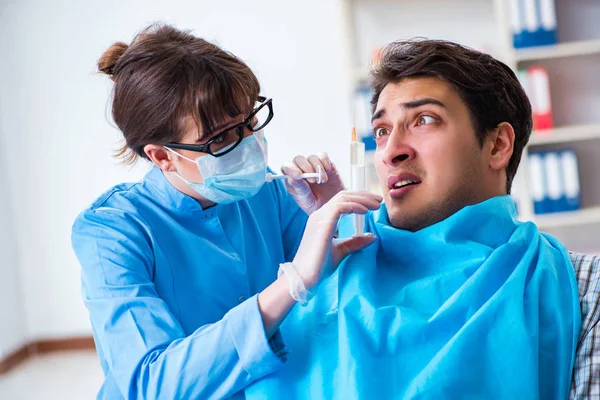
[
  {"x": 310, "y": 195},
  {"x": 319, "y": 253}
]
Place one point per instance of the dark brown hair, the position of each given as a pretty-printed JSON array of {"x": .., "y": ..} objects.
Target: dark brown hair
[
  {"x": 489, "y": 88},
  {"x": 167, "y": 75}
]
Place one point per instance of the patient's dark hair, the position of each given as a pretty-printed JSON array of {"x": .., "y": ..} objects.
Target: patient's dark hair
[
  {"x": 166, "y": 76},
  {"x": 489, "y": 88}
]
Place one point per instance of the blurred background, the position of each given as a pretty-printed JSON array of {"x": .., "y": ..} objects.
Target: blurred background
[{"x": 312, "y": 57}]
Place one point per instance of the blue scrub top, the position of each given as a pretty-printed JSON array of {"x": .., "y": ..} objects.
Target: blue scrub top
[{"x": 171, "y": 288}]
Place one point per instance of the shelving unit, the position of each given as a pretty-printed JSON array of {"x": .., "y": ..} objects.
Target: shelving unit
[
  {"x": 573, "y": 64},
  {"x": 561, "y": 50},
  {"x": 585, "y": 216},
  {"x": 566, "y": 134}
]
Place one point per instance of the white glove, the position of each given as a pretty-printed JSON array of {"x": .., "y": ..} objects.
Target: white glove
[
  {"x": 319, "y": 253},
  {"x": 310, "y": 195}
]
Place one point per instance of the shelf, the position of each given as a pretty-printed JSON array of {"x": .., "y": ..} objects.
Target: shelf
[
  {"x": 584, "y": 216},
  {"x": 566, "y": 134},
  {"x": 570, "y": 49}
]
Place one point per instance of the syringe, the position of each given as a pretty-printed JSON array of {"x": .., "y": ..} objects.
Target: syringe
[
  {"x": 271, "y": 177},
  {"x": 357, "y": 178}
]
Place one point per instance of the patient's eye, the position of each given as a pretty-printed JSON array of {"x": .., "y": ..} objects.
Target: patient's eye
[
  {"x": 425, "y": 120},
  {"x": 379, "y": 132}
]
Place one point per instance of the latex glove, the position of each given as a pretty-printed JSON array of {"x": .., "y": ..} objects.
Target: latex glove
[
  {"x": 310, "y": 195},
  {"x": 319, "y": 253}
]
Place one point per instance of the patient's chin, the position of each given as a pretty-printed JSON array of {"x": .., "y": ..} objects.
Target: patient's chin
[
  {"x": 414, "y": 220},
  {"x": 408, "y": 222}
]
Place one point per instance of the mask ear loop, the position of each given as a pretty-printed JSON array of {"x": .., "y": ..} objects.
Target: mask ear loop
[
  {"x": 185, "y": 158},
  {"x": 179, "y": 155}
]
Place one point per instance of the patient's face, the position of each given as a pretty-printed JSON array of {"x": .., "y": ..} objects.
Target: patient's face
[{"x": 428, "y": 159}]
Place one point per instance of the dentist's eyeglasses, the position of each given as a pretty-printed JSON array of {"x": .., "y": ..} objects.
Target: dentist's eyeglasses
[{"x": 228, "y": 139}]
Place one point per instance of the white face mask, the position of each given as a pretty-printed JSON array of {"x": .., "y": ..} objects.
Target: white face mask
[{"x": 235, "y": 176}]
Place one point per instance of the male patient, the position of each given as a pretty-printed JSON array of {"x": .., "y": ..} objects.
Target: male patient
[{"x": 456, "y": 299}]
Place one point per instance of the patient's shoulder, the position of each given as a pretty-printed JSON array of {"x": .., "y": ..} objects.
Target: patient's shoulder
[
  {"x": 586, "y": 373},
  {"x": 587, "y": 271}
]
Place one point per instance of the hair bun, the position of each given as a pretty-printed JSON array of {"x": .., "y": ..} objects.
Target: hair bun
[{"x": 110, "y": 57}]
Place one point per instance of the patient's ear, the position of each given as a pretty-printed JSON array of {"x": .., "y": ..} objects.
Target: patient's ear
[{"x": 500, "y": 144}]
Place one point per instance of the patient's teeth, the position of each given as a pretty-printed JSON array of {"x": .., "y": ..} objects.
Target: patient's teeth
[{"x": 403, "y": 183}]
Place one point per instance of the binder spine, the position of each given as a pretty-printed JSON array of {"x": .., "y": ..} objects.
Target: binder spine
[
  {"x": 539, "y": 84},
  {"x": 554, "y": 182},
  {"x": 533, "y": 22},
  {"x": 570, "y": 175},
  {"x": 537, "y": 183}
]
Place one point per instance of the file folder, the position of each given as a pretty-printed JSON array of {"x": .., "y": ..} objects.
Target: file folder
[
  {"x": 554, "y": 182},
  {"x": 537, "y": 182},
  {"x": 570, "y": 177},
  {"x": 533, "y": 22},
  {"x": 538, "y": 83}
]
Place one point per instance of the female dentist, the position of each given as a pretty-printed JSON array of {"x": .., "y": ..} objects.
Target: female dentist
[{"x": 188, "y": 273}]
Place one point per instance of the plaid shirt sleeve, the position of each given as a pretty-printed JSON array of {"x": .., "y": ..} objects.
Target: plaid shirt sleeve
[{"x": 586, "y": 372}]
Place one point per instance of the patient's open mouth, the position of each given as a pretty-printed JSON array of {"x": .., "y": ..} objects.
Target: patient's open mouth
[{"x": 401, "y": 184}]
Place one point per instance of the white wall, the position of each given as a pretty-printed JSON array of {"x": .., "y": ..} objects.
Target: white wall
[
  {"x": 57, "y": 141},
  {"x": 12, "y": 319},
  {"x": 379, "y": 22}
]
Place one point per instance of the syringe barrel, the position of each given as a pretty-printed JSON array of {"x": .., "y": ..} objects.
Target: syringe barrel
[
  {"x": 358, "y": 181},
  {"x": 357, "y": 153},
  {"x": 357, "y": 177},
  {"x": 357, "y": 166}
]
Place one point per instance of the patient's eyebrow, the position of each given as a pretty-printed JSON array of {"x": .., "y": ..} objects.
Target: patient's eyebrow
[
  {"x": 377, "y": 115},
  {"x": 422, "y": 102},
  {"x": 410, "y": 105}
]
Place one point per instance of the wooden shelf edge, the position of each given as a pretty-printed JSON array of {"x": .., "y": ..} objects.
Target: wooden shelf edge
[
  {"x": 565, "y": 134},
  {"x": 560, "y": 50},
  {"x": 585, "y": 216}
]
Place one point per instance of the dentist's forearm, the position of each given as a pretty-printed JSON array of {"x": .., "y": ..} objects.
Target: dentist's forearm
[{"x": 274, "y": 303}]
